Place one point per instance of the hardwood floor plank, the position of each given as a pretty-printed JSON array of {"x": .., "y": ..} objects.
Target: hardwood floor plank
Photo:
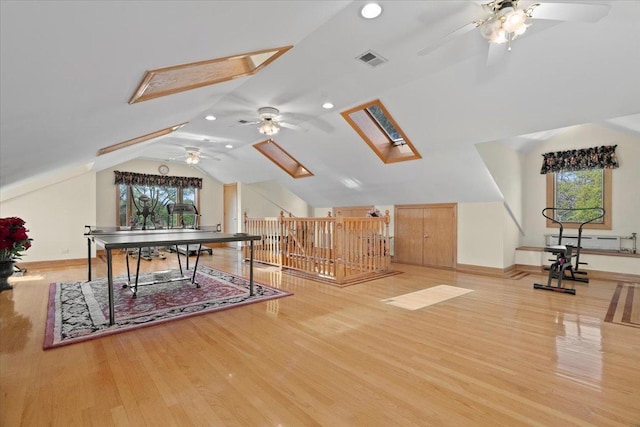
[{"x": 504, "y": 354}]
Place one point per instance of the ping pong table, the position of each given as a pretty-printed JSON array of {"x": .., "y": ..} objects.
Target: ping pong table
[{"x": 113, "y": 238}]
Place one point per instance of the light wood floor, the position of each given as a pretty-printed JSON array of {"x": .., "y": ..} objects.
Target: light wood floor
[{"x": 503, "y": 355}]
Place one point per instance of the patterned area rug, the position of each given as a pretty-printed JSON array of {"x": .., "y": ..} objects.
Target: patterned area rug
[
  {"x": 79, "y": 311},
  {"x": 624, "y": 308}
]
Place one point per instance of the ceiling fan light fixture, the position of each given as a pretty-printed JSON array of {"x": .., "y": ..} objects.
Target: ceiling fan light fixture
[
  {"x": 193, "y": 160},
  {"x": 268, "y": 127},
  {"x": 193, "y": 155},
  {"x": 514, "y": 20},
  {"x": 507, "y": 23}
]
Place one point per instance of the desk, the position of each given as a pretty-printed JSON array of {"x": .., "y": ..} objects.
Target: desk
[{"x": 117, "y": 238}]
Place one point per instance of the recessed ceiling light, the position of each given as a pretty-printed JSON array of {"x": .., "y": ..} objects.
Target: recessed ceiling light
[
  {"x": 371, "y": 10},
  {"x": 327, "y": 105},
  {"x": 210, "y": 117},
  {"x": 228, "y": 146}
]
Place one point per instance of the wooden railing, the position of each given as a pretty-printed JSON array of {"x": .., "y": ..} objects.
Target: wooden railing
[{"x": 340, "y": 249}]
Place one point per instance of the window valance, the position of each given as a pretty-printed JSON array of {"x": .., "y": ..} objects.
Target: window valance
[
  {"x": 131, "y": 178},
  {"x": 603, "y": 157}
]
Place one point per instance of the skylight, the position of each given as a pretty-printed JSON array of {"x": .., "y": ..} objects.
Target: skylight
[
  {"x": 280, "y": 157},
  {"x": 386, "y": 125},
  {"x": 381, "y": 132},
  {"x": 179, "y": 78}
]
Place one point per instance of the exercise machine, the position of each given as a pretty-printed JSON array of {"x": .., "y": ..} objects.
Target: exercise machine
[
  {"x": 176, "y": 214},
  {"x": 566, "y": 265}
]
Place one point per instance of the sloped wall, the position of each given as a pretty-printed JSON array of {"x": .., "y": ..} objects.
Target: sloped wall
[
  {"x": 55, "y": 216},
  {"x": 268, "y": 198}
]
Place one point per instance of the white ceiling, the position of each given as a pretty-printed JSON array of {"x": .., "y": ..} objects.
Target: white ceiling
[{"x": 68, "y": 70}]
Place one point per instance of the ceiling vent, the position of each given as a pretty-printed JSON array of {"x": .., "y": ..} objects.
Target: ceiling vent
[{"x": 371, "y": 58}]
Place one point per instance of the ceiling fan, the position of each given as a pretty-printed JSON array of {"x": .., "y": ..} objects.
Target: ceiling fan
[
  {"x": 193, "y": 156},
  {"x": 269, "y": 121},
  {"x": 502, "y": 21}
]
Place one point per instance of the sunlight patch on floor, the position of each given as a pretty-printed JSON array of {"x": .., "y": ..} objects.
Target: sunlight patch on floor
[{"x": 426, "y": 297}]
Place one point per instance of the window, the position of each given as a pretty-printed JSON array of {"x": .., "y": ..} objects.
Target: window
[
  {"x": 132, "y": 202},
  {"x": 381, "y": 132},
  {"x": 392, "y": 133},
  {"x": 580, "y": 189}
]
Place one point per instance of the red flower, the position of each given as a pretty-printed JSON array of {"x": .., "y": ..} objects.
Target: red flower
[{"x": 13, "y": 238}]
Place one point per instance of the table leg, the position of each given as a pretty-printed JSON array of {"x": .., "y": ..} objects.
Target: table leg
[
  {"x": 135, "y": 289},
  {"x": 89, "y": 258},
  {"x": 251, "y": 268},
  {"x": 179, "y": 262},
  {"x": 112, "y": 315},
  {"x": 126, "y": 257},
  {"x": 195, "y": 268}
]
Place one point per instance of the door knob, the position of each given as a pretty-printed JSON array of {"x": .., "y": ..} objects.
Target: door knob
[{"x": 426, "y": 235}]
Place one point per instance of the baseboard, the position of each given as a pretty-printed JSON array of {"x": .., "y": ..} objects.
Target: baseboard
[
  {"x": 503, "y": 273},
  {"x": 46, "y": 265}
]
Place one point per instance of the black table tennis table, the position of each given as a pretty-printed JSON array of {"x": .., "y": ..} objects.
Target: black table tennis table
[{"x": 113, "y": 238}]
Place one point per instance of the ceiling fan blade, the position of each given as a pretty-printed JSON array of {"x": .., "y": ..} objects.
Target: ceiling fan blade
[
  {"x": 245, "y": 123},
  {"x": 446, "y": 39},
  {"x": 191, "y": 136},
  {"x": 591, "y": 12},
  {"x": 288, "y": 125},
  {"x": 496, "y": 53}
]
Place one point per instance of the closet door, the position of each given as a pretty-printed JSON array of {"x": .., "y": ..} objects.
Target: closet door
[
  {"x": 440, "y": 235},
  {"x": 426, "y": 235},
  {"x": 409, "y": 232}
]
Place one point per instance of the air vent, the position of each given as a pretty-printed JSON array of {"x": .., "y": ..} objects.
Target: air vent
[{"x": 371, "y": 58}]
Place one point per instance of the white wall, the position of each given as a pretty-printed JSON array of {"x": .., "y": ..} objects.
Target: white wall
[
  {"x": 512, "y": 236},
  {"x": 481, "y": 234},
  {"x": 55, "y": 216},
  {"x": 268, "y": 198},
  {"x": 211, "y": 195},
  {"x": 505, "y": 166},
  {"x": 626, "y": 181}
]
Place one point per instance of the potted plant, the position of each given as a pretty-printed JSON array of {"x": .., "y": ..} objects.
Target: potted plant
[{"x": 13, "y": 241}]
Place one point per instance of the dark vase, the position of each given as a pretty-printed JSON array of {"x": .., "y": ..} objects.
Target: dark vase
[{"x": 6, "y": 270}]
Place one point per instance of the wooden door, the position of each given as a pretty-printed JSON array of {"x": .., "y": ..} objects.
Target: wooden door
[
  {"x": 426, "y": 235},
  {"x": 440, "y": 236},
  {"x": 409, "y": 232},
  {"x": 230, "y": 222},
  {"x": 352, "y": 211}
]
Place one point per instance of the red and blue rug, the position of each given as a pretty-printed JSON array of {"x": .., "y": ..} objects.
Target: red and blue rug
[{"x": 79, "y": 311}]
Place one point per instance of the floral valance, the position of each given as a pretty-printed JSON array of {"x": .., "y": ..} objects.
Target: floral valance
[
  {"x": 131, "y": 178},
  {"x": 603, "y": 157}
]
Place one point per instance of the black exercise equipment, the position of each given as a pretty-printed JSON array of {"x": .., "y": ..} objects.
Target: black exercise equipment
[{"x": 563, "y": 262}]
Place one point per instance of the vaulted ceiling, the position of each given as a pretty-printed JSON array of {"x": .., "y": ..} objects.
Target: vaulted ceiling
[{"x": 69, "y": 69}]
